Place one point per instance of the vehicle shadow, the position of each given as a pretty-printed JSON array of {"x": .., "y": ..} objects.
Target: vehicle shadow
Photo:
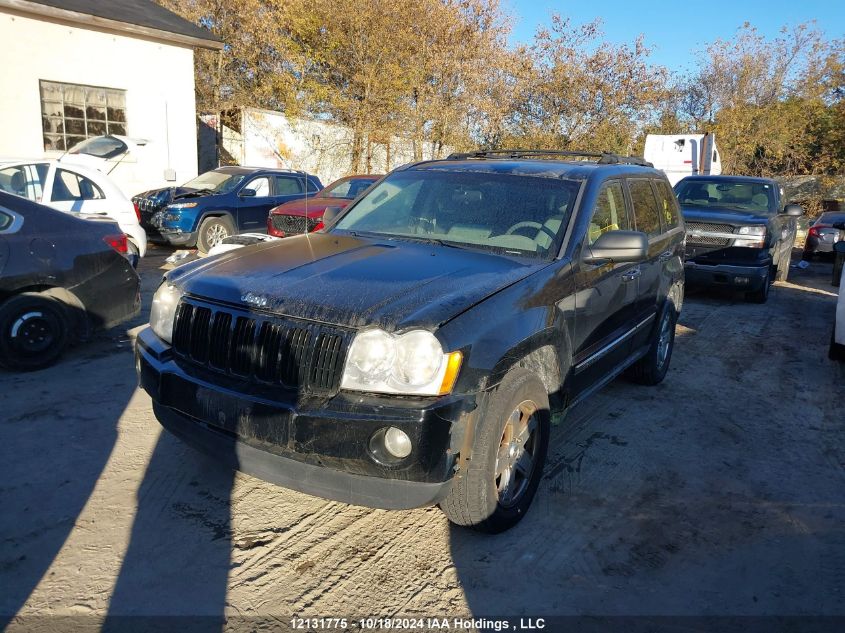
[
  {"x": 155, "y": 584},
  {"x": 178, "y": 576},
  {"x": 718, "y": 492},
  {"x": 54, "y": 446}
]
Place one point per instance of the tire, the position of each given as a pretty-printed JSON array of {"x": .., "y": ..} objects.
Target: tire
[
  {"x": 211, "y": 231},
  {"x": 480, "y": 499},
  {"x": 836, "y": 351},
  {"x": 651, "y": 369},
  {"x": 34, "y": 332},
  {"x": 761, "y": 295}
]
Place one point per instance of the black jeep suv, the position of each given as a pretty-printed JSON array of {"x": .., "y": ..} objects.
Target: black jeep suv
[
  {"x": 411, "y": 353},
  {"x": 739, "y": 232}
]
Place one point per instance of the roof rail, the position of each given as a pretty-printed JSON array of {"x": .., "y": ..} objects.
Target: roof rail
[
  {"x": 287, "y": 169},
  {"x": 603, "y": 158}
]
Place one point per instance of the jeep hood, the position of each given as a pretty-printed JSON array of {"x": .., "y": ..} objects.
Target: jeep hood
[{"x": 353, "y": 281}]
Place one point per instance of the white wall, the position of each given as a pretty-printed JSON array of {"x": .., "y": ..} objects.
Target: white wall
[
  {"x": 152, "y": 73},
  {"x": 270, "y": 139}
]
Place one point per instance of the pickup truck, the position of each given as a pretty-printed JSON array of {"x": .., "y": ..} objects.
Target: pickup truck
[{"x": 739, "y": 233}]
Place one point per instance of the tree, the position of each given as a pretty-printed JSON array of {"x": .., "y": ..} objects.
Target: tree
[{"x": 582, "y": 92}]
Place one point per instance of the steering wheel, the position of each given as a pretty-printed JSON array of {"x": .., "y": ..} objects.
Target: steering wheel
[{"x": 524, "y": 225}]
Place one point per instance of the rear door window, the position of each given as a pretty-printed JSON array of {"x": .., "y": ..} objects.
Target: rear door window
[
  {"x": 646, "y": 210},
  {"x": 70, "y": 186},
  {"x": 288, "y": 186},
  {"x": 666, "y": 201}
]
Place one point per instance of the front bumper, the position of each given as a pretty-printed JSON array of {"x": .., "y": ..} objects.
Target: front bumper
[
  {"x": 316, "y": 446},
  {"x": 175, "y": 238},
  {"x": 747, "y": 277}
]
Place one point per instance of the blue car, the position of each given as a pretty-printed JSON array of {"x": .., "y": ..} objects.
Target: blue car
[{"x": 219, "y": 203}]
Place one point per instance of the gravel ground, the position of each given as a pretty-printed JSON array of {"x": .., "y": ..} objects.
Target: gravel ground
[{"x": 719, "y": 492}]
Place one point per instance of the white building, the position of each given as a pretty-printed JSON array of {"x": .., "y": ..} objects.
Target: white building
[{"x": 81, "y": 68}]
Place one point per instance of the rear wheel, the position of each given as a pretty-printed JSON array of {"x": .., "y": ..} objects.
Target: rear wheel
[
  {"x": 212, "y": 232},
  {"x": 511, "y": 441},
  {"x": 33, "y": 331},
  {"x": 651, "y": 369}
]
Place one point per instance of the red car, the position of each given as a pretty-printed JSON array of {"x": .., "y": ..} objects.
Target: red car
[{"x": 293, "y": 217}]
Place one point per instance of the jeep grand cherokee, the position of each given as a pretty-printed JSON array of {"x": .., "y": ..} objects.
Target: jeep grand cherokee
[{"x": 411, "y": 353}]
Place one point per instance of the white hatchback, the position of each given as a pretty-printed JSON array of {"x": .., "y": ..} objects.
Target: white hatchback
[{"x": 75, "y": 189}]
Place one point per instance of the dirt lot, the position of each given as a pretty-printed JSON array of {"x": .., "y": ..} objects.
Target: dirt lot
[{"x": 721, "y": 491}]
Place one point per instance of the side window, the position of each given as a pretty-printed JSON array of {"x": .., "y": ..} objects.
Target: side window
[
  {"x": 26, "y": 181},
  {"x": 5, "y": 221},
  {"x": 261, "y": 185},
  {"x": 646, "y": 211},
  {"x": 287, "y": 186},
  {"x": 609, "y": 213},
  {"x": 312, "y": 186},
  {"x": 668, "y": 208},
  {"x": 68, "y": 186}
]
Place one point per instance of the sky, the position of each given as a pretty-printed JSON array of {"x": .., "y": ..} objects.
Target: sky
[{"x": 676, "y": 30}]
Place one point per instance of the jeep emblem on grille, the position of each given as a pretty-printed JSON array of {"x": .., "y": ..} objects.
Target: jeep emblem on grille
[{"x": 259, "y": 301}]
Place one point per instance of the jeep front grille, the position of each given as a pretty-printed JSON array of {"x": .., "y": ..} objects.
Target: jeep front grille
[
  {"x": 299, "y": 355},
  {"x": 705, "y": 240}
]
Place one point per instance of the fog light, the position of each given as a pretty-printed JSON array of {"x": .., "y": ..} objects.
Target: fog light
[
  {"x": 741, "y": 281},
  {"x": 397, "y": 442}
]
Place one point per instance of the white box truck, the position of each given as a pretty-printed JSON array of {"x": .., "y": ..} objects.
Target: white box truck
[{"x": 681, "y": 155}]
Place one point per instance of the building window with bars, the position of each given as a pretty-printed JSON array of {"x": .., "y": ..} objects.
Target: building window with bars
[{"x": 71, "y": 113}]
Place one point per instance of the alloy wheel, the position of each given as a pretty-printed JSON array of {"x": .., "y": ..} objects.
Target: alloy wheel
[{"x": 516, "y": 457}]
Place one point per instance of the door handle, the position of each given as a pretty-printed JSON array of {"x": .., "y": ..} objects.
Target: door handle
[
  {"x": 632, "y": 274},
  {"x": 665, "y": 255}
]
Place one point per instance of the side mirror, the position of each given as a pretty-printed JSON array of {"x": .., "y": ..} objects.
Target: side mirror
[
  {"x": 794, "y": 210},
  {"x": 330, "y": 214},
  {"x": 618, "y": 247},
  {"x": 247, "y": 193}
]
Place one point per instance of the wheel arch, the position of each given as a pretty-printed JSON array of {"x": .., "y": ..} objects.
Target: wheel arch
[{"x": 74, "y": 308}]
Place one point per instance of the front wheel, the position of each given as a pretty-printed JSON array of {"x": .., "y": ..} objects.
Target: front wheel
[
  {"x": 761, "y": 295},
  {"x": 506, "y": 465},
  {"x": 33, "y": 332},
  {"x": 213, "y": 231}
]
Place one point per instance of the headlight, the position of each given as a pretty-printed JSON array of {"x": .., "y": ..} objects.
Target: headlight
[
  {"x": 163, "y": 310},
  {"x": 182, "y": 205},
  {"x": 756, "y": 236},
  {"x": 410, "y": 363}
]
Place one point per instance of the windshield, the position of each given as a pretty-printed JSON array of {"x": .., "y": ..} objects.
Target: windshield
[
  {"x": 503, "y": 213},
  {"x": 745, "y": 196},
  {"x": 347, "y": 189},
  {"x": 100, "y": 146},
  {"x": 215, "y": 182}
]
